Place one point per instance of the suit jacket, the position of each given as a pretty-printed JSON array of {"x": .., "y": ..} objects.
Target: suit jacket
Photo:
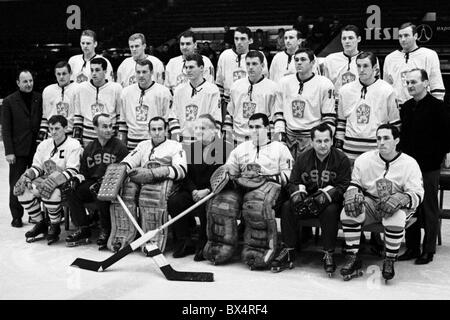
[{"x": 20, "y": 127}]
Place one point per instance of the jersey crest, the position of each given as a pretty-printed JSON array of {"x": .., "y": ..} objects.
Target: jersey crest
[
  {"x": 363, "y": 114},
  {"x": 348, "y": 77},
  {"x": 62, "y": 108},
  {"x": 384, "y": 188},
  {"x": 142, "y": 113},
  {"x": 181, "y": 78},
  {"x": 81, "y": 77},
  {"x": 97, "y": 108},
  {"x": 132, "y": 80},
  {"x": 191, "y": 112},
  {"x": 298, "y": 108},
  {"x": 239, "y": 74},
  {"x": 248, "y": 109}
]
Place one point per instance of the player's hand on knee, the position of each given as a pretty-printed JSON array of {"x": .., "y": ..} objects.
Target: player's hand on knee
[
  {"x": 21, "y": 185},
  {"x": 297, "y": 201},
  {"x": 353, "y": 202},
  {"x": 387, "y": 207}
]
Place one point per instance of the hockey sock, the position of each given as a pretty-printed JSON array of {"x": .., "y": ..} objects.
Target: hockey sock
[
  {"x": 352, "y": 234},
  {"x": 393, "y": 239},
  {"x": 33, "y": 208}
]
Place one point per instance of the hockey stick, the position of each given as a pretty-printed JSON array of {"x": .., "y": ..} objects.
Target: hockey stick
[{"x": 218, "y": 181}]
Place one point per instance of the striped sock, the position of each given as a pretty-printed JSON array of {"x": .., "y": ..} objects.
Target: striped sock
[
  {"x": 352, "y": 235},
  {"x": 33, "y": 208},
  {"x": 393, "y": 239}
]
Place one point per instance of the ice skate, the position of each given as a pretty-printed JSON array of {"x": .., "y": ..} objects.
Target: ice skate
[
  {"x": 79, "y": 237},
  {"x": 328, "y": 263},
  {"x": 352, "y": 267},
  {"x": 284, "y": 260},
  {"x": 53, "y": 233},
  {"x": 102, "y": 239},
  {"x": 388, "y": 268},
  {"x": 38, "y": 232}
]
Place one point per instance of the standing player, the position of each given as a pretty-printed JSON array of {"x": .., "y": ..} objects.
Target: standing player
[
  {"x": 363, "y": 106},
  {"x": 398, "y": 63},
  {"x": 142, "y": 101},
  {"x": 101, "y": 152},
  {"x": 253, "y": 94},
  {"x": 81, "y": 63},
  {"x": 175, "y": 69},
  {"x": 59, "y": 98},
  {"x": 95, "y": 96},
  {"x": 232, "y": 65},
  {"x": 126, "y": 72},
  {"x": 308, "y": 100},
  {"x": 386, "y": 186},
  {"x": 196, "y": 97},
  {"x": 56, "y": 161}
]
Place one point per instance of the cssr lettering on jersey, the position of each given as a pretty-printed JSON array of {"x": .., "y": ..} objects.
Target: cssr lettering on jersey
[
  {"x": 100, "y": 158},
  {"x": 313, "y": 176}
]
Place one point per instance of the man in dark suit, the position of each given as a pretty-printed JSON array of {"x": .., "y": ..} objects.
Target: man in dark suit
[{"x": 21, "y": 116}]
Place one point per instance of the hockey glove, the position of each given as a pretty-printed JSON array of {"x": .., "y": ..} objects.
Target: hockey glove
[
  {"x": 353, "y": 202},
  {"x": 338, "y": 143},
  {"x": 317, "y": 202},
  {"x": 144, "y": 175},
  {"x": 297, "y": 201},
  {"x": 51, "y": 183},
  {"x": 23, "y": 182},
  {"x": 95, "y": 187},
  {"x": 393, "y": 203}
]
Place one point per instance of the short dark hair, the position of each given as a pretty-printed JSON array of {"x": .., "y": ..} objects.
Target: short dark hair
[
  {"x": 209, "y": 117},
  {"x": 157, "y": 118},
  {"x": 321, "y": 128},
  {"x": 352, "y": 27},
  {"x": 389, "y": 126},
  {"x": 255, "y": 54},
  {"x": 423, "y": 73},
  {"x": 368, "y": 54},
  {"x": 58, "y": 118},
  {"x": 308, "y": 51},
  {"x": 195, "y": 57},
  {"x": 23, "y": 70},
  {"x": 101, "y": 61},
  {"x": 145, "y": 62},
  {"x": 188, "y": 34},
  {"x": 262, "y": 116},
  {"x": 245, "y": 30},
  {"x": 95, "y": 120},
  {"x": 89, "y": 33},
  {"x": 408, "y": 24},
  {"x": 63, "y": 64}
]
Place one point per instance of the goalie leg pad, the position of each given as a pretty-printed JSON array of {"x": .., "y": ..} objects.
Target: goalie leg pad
[
  {"x": 123, "y": 231},
  {"x": 153, "y": 209},
  {"x": 260, "y": 234},
  {"x": 222, "y": 213}
]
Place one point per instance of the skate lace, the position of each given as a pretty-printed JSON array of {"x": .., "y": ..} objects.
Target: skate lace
[
  {"x": 351, "y": 259},
  {"x": 282, "y": 255},
  {"x": 328, "y": 258},
  {"x": 388, "y": 265}
]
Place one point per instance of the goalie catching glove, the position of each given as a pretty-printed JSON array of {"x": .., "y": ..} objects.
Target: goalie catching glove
[
  {"x": 353, "y": 202},
  {"x": 51, "y": 183},
  {"x": 24, "y": 182},
  {"x": 393, "y": 203},
  {"x": 144, "y": 175}
]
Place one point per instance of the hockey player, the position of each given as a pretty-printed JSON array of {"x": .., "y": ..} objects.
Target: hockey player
[
  {"x": 126, "y": 74},
  {"x": 386, "y": 186},
  {"x": 142, "y": 101},
  {"x": 98, "y": 154},
  {"x": 363, "y": 106},
  {"x": 307, "y": 101},
  {"x": 231, "y": 65},
  {"x": 398, "y": 63},
  {"x": 95, "y": 96},
  {"x": 56, "y": 161},
  {"x": 175, "y": 68},
  {"x": 195, "y": 97},
  {"x": 59, "y": 98},
  {"x": 81, "y": 63},
  {"x": 317, "y": 184},
  {"x": 253, "y": 94},
  {"x": 153, "y": 167},
  {"x": 260, "y": 169},
  {"x": 204, "y": 156}
]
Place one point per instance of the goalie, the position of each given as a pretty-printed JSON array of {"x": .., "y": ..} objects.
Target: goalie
[
  {"x": 260, "y": 169},
  {"x": 386, "y": 186},
  {"x": 152, "y": 168},
  {"x": 56, "y": 161},
  {"x": 319, "y": 178}
]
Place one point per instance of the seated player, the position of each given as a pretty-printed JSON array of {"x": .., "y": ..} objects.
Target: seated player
[
  {"x": 386, "y": 186},
  {"x": 56, "y": 161},
  {"x": 102, "y": 151},
  {"x": 260, "y": 169},
  {"x": 319, "y": 178}
]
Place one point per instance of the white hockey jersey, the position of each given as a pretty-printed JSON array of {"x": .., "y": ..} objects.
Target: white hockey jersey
[
  {"x": 379, "y": 178},
  {"x": 246, "y": 99},
  {"x": 190, "y": 102},
  {"x": 361, "y": 110},
  {"x": 58, "y": 100},
  {"x": 65, "y": 156},
  {"x": 274, "y": 158},
  {"x": 81, "y": 69},
  {"x": 169, "y": 153},
  {"x": 306, "y": 108},
  {"x": 176, "y": 75},
  {"x": 397, "y": 64},
  {"x": 283, "y": 64},
  {"x": 340, "y": 69},
  {"x": 126, "y": 73},
  {"x": 90, "y": 100},
  {"x": 231, "y": 67},
  {"x": 139, "y": 106}
]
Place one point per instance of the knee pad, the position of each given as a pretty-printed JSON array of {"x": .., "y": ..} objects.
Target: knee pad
[
  {"x": 222, "y": 213},
  {"x": 123, "y": 232},
  {"x": 260, "y": 235},
  {"x": 153, "y": 209}
]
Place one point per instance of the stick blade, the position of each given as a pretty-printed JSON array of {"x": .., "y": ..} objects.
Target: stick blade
[
  {"x": 87, "y": 264},
  {"x": 174, "y": 275}
]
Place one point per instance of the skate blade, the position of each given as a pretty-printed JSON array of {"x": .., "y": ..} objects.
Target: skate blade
[
  {"x": 279, "y": 269},
  {"x": 34, "y": 239},
  {"x": 356, "y": 274},
  {"x": 77, "y": 243},
  {"x": 52, "y": 241}
]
